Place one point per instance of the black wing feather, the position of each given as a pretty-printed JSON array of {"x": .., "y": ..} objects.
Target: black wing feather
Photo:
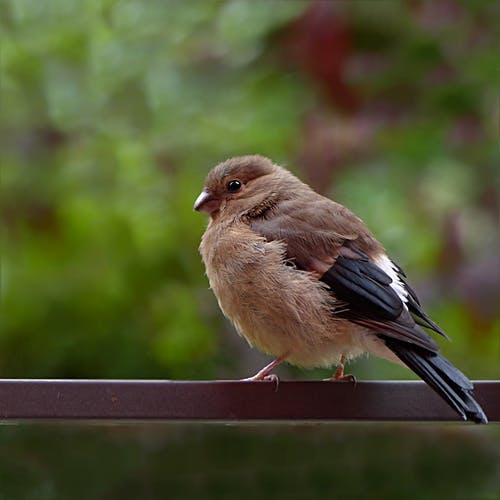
[
  {"x": 361, "y": 283},
  {"x": 415, "y": 308},
  {"x": 371, "y": 301}
]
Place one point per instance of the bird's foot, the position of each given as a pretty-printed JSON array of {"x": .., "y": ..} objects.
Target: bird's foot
[
  {"x": 339, "y": 374},
  {"x": 258, "y": 377},
  {"x": 266, "y": 375},
  {"x": 272, "y": 377}
]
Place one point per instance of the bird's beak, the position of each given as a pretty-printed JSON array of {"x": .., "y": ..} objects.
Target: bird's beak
[{"x": 207, "y": 203}]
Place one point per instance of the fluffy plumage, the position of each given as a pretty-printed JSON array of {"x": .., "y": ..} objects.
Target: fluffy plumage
[{"x": 303, "y": 279}]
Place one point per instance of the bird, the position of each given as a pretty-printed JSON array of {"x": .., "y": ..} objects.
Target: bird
[{"x": 304, "y": 280}]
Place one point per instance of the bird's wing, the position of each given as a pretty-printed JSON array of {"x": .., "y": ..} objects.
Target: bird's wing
[
  {"x": 319, "y": 243},
  {"x": 374, "y": 299},
  {"x": 374, "y": 291}
]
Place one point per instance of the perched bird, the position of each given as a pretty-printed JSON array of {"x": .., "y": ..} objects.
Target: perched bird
[{"x": 304, "y": 280}]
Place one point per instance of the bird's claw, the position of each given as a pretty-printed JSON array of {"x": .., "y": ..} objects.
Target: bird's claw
[{"x": 272, "y": 377}]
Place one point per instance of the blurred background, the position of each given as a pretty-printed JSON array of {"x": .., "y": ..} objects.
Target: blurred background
[{"x": 112, "y": 113}]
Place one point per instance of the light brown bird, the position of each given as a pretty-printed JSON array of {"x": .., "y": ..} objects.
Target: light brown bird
[{"x": 304, "y": 280}]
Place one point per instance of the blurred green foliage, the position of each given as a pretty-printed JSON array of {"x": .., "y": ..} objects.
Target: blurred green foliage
[{"x": 112, "y": 113}]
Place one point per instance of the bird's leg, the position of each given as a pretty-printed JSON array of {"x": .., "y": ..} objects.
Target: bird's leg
[
  {"x": 339, "y": 374},
  {"x": 265, "y": 373}
]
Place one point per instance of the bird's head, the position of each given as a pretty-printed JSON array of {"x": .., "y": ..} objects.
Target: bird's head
[{"x": 240, "y": 184}]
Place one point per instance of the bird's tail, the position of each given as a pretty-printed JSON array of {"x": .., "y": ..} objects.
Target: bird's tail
[{"x": 447, "y": 380}]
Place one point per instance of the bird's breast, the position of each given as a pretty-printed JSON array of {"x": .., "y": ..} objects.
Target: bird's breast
[{"x": 276, "y": 307}]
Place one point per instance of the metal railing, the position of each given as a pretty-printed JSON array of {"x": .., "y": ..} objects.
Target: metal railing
[{"x": 231, "y": 401}]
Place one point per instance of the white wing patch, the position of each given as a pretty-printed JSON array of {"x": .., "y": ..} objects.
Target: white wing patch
[{"x": 388, "y": 267}]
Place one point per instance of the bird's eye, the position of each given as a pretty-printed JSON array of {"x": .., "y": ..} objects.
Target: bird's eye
[{"x": 233, "y": 186}]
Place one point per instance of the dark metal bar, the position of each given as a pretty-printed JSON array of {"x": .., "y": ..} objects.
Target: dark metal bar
[{"x": 231, "y": 400}]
